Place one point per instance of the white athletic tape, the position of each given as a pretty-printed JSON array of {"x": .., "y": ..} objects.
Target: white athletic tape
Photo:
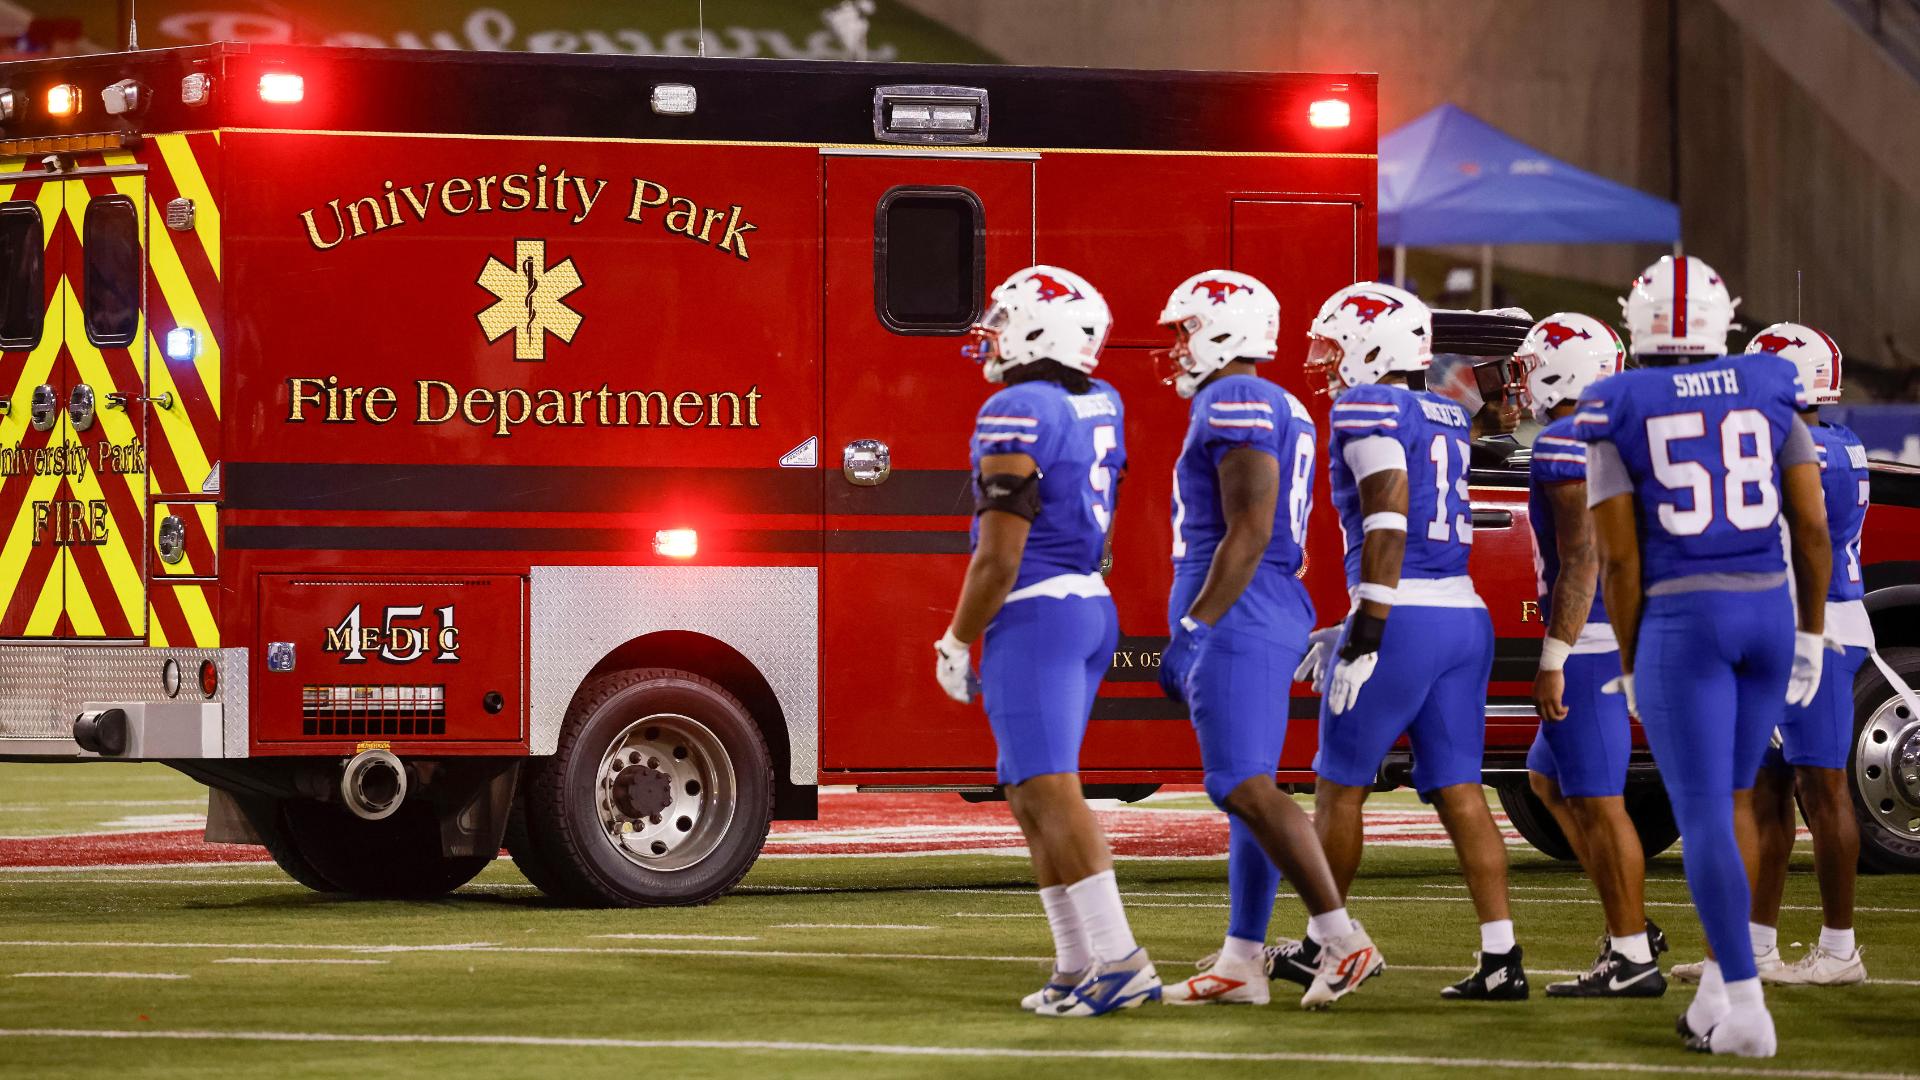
[{"x": 1385, "y": 519}]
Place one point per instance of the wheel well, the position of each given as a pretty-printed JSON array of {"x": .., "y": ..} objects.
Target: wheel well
[
  {"x": 714, "y": 659},
  {"x": 1896, "y": 624}
]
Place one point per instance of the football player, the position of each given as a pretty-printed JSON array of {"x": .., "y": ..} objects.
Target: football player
[
  {"x": 1047, "y": 454},
  {"x": 1239, "y": 619},
  {"x": 1578, "y": 762},
  {"x": 1692, "y": 460},
  {"x": 1814, "y": 740},
  {"x": 1414, "y": 653}
]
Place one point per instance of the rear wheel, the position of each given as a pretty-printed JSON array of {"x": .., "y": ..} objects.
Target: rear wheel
[
  {"x": 1884, "y": 768},
  {"x": 397, "y": 857},
  {"x": 1532, "y": 819},
  {"x": 660, "y": 792},
  {"x": 1652, "y": 815}
]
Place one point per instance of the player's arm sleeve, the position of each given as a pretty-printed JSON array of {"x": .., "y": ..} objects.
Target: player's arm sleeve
[
  {"x": 1797, "y": 448},
  {"x": 1606, "y": 473},
  {"x": 1368, "y": 433},
  {"x": 1247, "y": 420}
]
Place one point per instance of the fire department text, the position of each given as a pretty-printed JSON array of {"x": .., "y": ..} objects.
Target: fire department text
[{"x": 437, "y": 402}]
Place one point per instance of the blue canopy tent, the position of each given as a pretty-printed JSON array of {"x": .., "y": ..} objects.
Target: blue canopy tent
[{"x": 1450, "y": 177}]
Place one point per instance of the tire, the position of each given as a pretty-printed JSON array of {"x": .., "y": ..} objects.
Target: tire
[
  {"x": 396, "y": 858},
  {"x": 638, "y": 739},
  {"x": 1652, "y": 816},
  {"x": 527, "y": 857},
  {"x": 267, "y": 822},
  {"x": 1883, "y": 769},
  {"x": 1533, "y": 820}
]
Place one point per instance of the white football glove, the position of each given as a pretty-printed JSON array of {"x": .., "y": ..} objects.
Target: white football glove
[
  {"x": 1343, "y": 686},
  {"x": 953, "y": 667},
  {"x": 1622, "y": 684},
  {"x": 1313, "y": 668},
  {"x": 1808, "y": 657}
]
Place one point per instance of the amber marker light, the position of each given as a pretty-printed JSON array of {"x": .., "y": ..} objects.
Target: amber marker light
[
  {"x": 676, "y": 543},
  {"x": 63, "y": 100},
  {"x": 1329, "y": 113},
  {"x": 282, "y": 88}
]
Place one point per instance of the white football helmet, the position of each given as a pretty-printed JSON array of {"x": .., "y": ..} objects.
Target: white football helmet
[
  {"x": 1565, "y": 353},
  {"x": 1369, "y": 329},
  {"x": 1813, "y": 352},
  {"x": 1218, "y": 317},
  {"x": 1041, "y": 313},
  {"x": 1678, "y": 307}
]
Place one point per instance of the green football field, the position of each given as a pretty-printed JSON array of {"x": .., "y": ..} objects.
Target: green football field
[{"x": 819, "y": 966}]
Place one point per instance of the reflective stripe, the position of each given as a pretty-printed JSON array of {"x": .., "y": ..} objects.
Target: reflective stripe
[{"x": 1062, "y": 586}]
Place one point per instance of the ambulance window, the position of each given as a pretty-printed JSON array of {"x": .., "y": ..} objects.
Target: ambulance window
[
  {"x": 928, "y": 260},
  {"x": 23, "y": 290},
  {"x": 112, "y": 244}
]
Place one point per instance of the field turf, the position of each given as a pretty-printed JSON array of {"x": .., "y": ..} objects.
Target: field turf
[{"x": 819, "y": 966}]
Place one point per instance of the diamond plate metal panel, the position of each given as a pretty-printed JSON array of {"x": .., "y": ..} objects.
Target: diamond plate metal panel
[
  {"x": 770, "y": 614},
  {"x": 42, "y": 687}
]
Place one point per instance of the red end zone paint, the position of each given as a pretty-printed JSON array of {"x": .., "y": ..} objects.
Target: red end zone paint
[{"x": 891, "y": 826}]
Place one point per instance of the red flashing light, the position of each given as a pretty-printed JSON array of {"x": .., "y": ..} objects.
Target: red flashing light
[
  {"x": 676, "y": 543},
  {"x": 209, "y": 678},
  {"x": 1329, "y": 113},
  {"x": 282, "y": 88}
]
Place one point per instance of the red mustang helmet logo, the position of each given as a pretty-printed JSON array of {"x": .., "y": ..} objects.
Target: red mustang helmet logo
[
  {"x": 1052, "y": 288},
  {"x": 1773, "y": 343},
  {"x": 1220, "y": 290},
  {"x": 1558, "y": 334},
  {"x": 1370, "y": 308}
]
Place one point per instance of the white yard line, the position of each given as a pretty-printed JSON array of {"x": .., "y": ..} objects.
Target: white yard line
[
  {"x": 97, "y": 975},
  {"x": 850, "y": 926},
  {"x": 900, "y": 1050},
  {"x": 679, "y": 937},
  {"x": 293, "y": 960}
]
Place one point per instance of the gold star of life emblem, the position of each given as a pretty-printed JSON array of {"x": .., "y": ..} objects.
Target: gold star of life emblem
[{"x": 531, "y": 301}]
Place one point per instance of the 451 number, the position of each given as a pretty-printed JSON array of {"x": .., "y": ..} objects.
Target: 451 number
[{"x": 392, "y": 641}]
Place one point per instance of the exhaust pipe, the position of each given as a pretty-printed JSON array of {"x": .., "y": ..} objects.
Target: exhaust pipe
[{"x": 373, "y": 784}]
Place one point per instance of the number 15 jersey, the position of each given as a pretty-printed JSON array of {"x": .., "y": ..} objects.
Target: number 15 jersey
[
  {"x": 1701, "y": 447},
  {"x": 1432, "y": 435}
]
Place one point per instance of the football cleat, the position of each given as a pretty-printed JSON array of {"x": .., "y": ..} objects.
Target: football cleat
[
  {"x": 1345, "y": 963},
  {"x": 1110, "y": 987},
  {"x": 1059, "y": 985},
  {"x": 1656, "y": 942},
  {"x": 1294, "y": 961},
  {"x": 1220, "y": 984},
  {"x": 1767, "y": 962},
  {"x": 1744, "y": 1033},
  {"x": 1614, "y": 976},
  {"x": 1499, "y": 978},
  {"x": 1819, "y": 968}
]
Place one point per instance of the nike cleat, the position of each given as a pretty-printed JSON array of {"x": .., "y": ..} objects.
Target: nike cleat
[
  {"x": 1294, "y": 961},
  {"x": 1614, "y": 976},
  {"x": 1110, "y": 987},
  {"x": 1499, "y": 978},
  {"x": 1656, "y": 942},
  {"x": 1220, "y": 984},
  {"x": 1819, "y": 968},
  {"x": 1345, "y": 963},
  {"x": 1059, "y": 985},
  {"x": 1768, "y": 962}
]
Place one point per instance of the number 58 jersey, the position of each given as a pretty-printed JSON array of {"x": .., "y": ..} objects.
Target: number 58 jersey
[
  {"x": 1700, "y": 446},
  {"x": 1391, "y": 427},
  {"x": 1079, "y": 444}
]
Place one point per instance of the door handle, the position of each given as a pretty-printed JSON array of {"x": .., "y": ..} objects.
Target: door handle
[
  {"x": 44, "y": 408},
  {"x": 1492, "y": 519},
  {"x": 866, "y": 462},
  {"x": 80, "y": 407},
  {"x": 121, "y": 401}
]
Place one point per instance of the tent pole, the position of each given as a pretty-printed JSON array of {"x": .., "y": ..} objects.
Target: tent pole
[
  {"x": 1486, "y": 276},
  {"x": 1400, "y": 265}
]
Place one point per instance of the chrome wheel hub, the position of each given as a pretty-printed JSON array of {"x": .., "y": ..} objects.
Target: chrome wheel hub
[
  {"x": 665, "y": 792},
  {"x": 1887, "y": 768}
]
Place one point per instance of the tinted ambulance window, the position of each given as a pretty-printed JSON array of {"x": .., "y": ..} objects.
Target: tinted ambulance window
[
  {"x": 23, "y": 289},
  {"x": 928, "y": 260},
  {"x": 112, "y": 244}
]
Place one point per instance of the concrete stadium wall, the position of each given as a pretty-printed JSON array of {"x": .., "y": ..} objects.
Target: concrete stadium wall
[{"x": 1778, "y": 171}]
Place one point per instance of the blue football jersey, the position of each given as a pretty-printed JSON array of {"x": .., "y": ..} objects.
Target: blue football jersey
[
  {"x": 1079, "y": 444},
  {"x": 1701, "y": 444},
  {"x": 1229, "y": 413},
  {"x": 1843, "y": 474},
  {"x": 1435, "y": 435},
  {"x": 1558, "y": 458}
]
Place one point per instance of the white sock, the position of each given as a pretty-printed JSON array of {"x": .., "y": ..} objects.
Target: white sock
[
  {"x": 1745, "y": 995},
  {"x": 1071, "y": 952},
  {"x": 1097, "y": 899},
  {"x": 1496, "y": 937},
  {"x": 1837, "y": 942},
  {"x": 1333, "y": 924},
  {"x": 1240, "y": 952},
  {"x": 1765, "y": 938},
  {"x": 1710, "y": 1003},
  {"x": 1634, "y": 947}
]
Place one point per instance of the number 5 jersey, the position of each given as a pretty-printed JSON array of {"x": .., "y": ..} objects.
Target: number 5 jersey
[{"x": 1079, "y": 444}]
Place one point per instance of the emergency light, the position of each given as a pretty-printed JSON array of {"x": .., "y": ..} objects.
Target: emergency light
[
  {"x": 182, "y": 343},
  {"x": 282, "y": 87},
  {"x": 930, "y": 114},
  {"x": 674, "y": 99},
  {"x": 63, "y": 100},
  {"x": 123, "y": 97},
  {"x": 9, "y": 105},
  {"x": 676, "y": 543},
  {"x": 195, "y": 89},
  {"x": 1329, "y": 113}
]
